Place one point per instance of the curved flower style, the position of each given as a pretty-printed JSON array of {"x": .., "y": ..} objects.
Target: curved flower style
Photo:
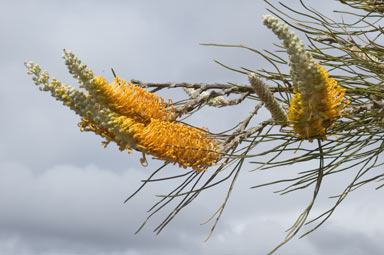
[
  {"x": 129, "y": 116},
  {"x": 317, "y": 100}
]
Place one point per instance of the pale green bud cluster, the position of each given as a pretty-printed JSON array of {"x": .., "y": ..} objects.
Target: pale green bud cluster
[
  {"x": 304, "y": 69},
  {"x": 40, "y": 76},
  {"x": 267, "y": 98},
  {"x": 78, "y": 101},
  {"x": 80, "y": 72},
  {"x": 366, "y": 59},
  {"x": 357, "y": 53}
]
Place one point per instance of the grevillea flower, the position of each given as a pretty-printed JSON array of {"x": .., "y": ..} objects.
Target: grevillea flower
[
  {"x": 317, "y": 100},
  {"x": 129, "y": 116},
  {"x": 312, "y": 113},
  {"x": 130, "y": 100},
  {"x": 178, "y": 143},
  {"x": 96, "y": 118},
  {"x": 154, "y": 133}
]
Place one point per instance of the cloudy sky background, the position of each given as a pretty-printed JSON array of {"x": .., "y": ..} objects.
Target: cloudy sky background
[{"x": 61, "y": 192}]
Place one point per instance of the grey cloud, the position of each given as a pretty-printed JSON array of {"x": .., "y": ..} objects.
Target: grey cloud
[
  {"x": 70, "y": 208},
  {"x": 341, "y": 240}
]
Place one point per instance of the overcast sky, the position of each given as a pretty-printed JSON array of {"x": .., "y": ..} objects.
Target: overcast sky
[{"x": 61, "y": 192}]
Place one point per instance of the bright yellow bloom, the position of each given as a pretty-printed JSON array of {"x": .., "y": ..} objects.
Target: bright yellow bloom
[
  {"x": 131, "y": 101},
  {"x": 150, "y": 126},
  {"x": 177, "y": 143},
  {"x": 314, "y": 109},
  {"x": 144, "y": 117},
  {"x": 172, "y": 142},
  {"x": 318, "y": 99},
  {"x": 129, "y": 116}
]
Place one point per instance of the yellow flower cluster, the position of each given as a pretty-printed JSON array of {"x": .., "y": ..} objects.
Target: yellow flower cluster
[
  {"x": 311, "y": 112},
  {"x": 317, "y": 100},
  {"x": 145, "y": 116},
  {"x": 177, "y": 143},
  {"x": 129, "y": 100},
  {"x": 129, "y": 116}
]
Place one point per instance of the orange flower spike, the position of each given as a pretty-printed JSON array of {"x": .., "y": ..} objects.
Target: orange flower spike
[
  {"x": 130, "y": 100},
  {"x": 311, "y": 114},
  {"x": 177, "y": 143},
  {"x": 318, "y": 99},
  {"x": 129, "y": 116}
]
